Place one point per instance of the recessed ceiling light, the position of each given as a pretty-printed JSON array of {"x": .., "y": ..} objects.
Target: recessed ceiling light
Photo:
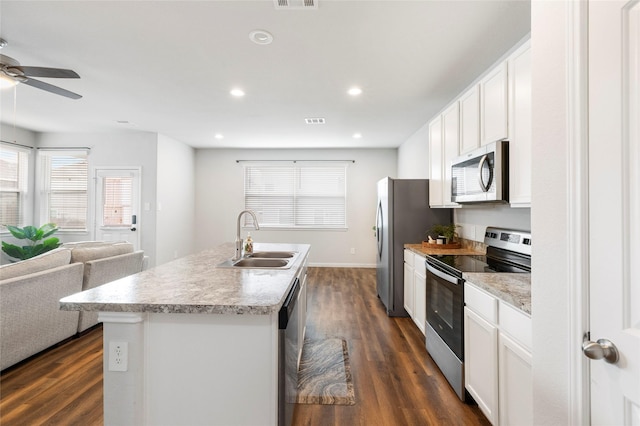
[
  {"x": 354, "y": 91},
  {"x": 357, "y": 135},
  {"x": 238, "y": 93},
  {"x": 219, "y": 136},
  {"x": 261, "y": 37}
]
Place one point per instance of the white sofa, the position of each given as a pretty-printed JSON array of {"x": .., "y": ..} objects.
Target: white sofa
[
  {"x": 103, "y": 263},
  {"x": 30, "y": 316},
  {"x": 30, "y": 293}
]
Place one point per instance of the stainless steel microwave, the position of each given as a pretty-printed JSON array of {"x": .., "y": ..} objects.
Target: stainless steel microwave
[{"x": 482, "y": 175}]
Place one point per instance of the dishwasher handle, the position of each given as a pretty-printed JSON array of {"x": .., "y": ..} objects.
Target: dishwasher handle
[{"x": 289, "y": 305}]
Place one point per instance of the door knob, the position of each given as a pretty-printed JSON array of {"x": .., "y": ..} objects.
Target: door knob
[{"x": 603, "y": 348}]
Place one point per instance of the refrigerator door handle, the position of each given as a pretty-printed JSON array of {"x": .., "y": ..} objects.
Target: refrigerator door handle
[{"x": 379, "y": 232}]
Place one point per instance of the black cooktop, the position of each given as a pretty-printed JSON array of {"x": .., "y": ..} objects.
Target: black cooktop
[{"x": 496, "y": 261}]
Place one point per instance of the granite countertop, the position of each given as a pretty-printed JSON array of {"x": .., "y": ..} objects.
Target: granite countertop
[
  {"x": 193, "y": 284},
  {"x": 512, "y": 288},
  {"x": 418, "y": 249}
]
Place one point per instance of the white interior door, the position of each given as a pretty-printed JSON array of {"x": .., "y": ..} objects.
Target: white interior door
[
  {"x": 118, "y": 205},
  {"x": 614, "y": 212}
]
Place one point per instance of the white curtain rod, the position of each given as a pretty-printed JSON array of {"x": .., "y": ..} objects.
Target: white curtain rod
[
  {"x": 16, "y": 144},
  {"x": 295, "y": 161}
]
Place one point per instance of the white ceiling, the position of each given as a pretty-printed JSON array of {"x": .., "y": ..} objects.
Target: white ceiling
[{"x": 168, "y": 67}]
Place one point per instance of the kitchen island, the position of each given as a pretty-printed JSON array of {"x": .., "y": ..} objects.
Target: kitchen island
[{"x": 188, "y": 342}]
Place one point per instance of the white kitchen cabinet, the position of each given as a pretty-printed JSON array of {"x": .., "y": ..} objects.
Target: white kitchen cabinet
[
  {"x": 420, "y": 292},
  {"x": 516, "y": 383},
  {"x": 498, "y": 358},
  {"x": 451, "y": 146},
  {"x": 435, "y": 163},
  {"x": 481, "y": 363},
  {"x": 470, "y": 120},
  {"x": 493, "y": 105},
  {"x": 409, "y": 298},
  {"x": 519, "y": 64},
  {"x": 415, "y": 288}
]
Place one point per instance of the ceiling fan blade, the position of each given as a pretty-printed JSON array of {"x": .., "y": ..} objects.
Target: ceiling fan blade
[
  {"x": 49, "y": 72},
  {"x": 51, "y": 88}
]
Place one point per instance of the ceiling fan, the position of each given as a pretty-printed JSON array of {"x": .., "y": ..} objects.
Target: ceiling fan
[{"x": 12, "y": 69}]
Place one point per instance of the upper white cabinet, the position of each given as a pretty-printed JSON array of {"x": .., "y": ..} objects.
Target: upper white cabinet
[
  {"x": 444, "y": 141},
  {"x": 496, "y": 108},
  {"x": 520, "y": 127},
  {"x": 470, "y": 120},
  {"x": 436, "y": 175},
  {"x": 451, "y": 141},
  {"x": 493, "y": 105}
]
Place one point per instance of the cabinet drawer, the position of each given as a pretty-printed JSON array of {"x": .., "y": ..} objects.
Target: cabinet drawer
[
  {"x": 516, "y": 324},
  {"x": 419, "y": 265},
  {"x": 481, "y": 302},
  {"x": 408, "y": 257}
]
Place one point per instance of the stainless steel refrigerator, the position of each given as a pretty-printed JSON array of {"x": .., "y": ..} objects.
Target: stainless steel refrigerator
[{"x": 403, "y": 217}]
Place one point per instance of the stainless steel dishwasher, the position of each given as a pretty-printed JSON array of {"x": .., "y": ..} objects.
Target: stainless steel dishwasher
[{"x": 288, "y": 355}]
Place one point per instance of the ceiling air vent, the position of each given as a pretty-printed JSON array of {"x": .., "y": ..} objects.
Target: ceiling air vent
[
  {"x": 314, "y": 120},
  {"x": 296, "y": 4}
]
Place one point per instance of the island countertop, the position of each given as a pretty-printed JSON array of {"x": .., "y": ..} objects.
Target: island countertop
[{"x": 193, "y": 284}]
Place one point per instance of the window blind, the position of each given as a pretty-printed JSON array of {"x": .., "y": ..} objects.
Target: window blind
[
  {"x": 118, "y": 198},
  {"x": 297, "y": 195},
  {"x": 14, "y": 172},
  {"x": 64, "y": 188}
]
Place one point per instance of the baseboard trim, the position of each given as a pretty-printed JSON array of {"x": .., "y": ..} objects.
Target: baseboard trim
[{"x": 342, "y": 265}]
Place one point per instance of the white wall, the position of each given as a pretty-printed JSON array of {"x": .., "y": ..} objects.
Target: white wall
[
  {"x": 550, "y": 220},
  {"x": 175, "y": 227},
  {"x": 117, "y": 149},
  {"x": 413, "y": 155},
  {"x": 220, "y": 197}
]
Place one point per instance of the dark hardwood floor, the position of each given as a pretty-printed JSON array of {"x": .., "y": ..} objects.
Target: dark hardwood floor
[{"x": 395, "y": 380}]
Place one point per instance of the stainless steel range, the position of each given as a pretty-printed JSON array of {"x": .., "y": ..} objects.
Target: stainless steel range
[{"x": 507, "y": 251}]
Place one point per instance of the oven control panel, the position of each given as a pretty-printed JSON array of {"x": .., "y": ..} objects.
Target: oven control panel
[{"x": 508, "y": 239}]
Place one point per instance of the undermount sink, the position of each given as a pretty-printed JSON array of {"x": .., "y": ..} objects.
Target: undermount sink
[
  {"x": 255, "y": 262},
  {"x": 272, "y": 254},
  {"x": 263, "y": 260}
]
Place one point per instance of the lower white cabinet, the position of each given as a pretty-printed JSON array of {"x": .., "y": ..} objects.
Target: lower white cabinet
[
  {"x": 498, "y": 358},
  {"x": 481, "y": 363},
  {"x": 415, "y": 288},
  {"x": 409, "y": 298},
  {"x": 420, "y": 292}
]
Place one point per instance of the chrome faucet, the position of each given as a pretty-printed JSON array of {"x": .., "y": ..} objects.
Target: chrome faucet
[{"x": 256, "y": 225}]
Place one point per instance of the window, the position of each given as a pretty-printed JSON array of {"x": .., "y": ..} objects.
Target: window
[
  {"x": 117, "y": 208},
  {"x": 64, "y": 188},
  {"x": 298, "y": 195},
  {"x": 14, "y": 165}
]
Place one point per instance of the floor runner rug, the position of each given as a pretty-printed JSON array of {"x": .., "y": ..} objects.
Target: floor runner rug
[{"x": 324, "y": 376}]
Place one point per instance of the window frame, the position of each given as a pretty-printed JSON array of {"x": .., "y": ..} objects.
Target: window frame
[
  {"x": 296, "y": 167},
  {"x": 43, "y": 187},
  {"x": 23, "y": 181}
]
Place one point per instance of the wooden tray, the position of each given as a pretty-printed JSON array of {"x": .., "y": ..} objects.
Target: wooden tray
[{"x": 441, "y": 246}]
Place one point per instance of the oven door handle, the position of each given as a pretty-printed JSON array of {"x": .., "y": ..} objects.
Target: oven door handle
[{"x": 443, "y": 275}]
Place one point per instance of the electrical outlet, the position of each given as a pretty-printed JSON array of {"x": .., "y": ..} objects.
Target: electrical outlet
[
  {"x": 353, "y": 250},
  {"x": 118, "y": 356}
]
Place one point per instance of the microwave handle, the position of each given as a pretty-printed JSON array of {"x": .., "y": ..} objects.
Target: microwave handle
[{"x": 484, "y": 187}]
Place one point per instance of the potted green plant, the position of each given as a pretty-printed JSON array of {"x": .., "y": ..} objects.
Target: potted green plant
[
  {"x": 39, "y": 241},
  {"x": 446, "y": 232}
]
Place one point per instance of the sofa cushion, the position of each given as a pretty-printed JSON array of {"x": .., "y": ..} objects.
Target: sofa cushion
[
  {"x": 51, "y": 259},
  {"x": 87, "y": 253}
]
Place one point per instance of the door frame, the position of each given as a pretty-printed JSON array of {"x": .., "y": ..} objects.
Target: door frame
[
  {"x": 577, "y": 76},
  {"x": 95, "y": 208}
]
